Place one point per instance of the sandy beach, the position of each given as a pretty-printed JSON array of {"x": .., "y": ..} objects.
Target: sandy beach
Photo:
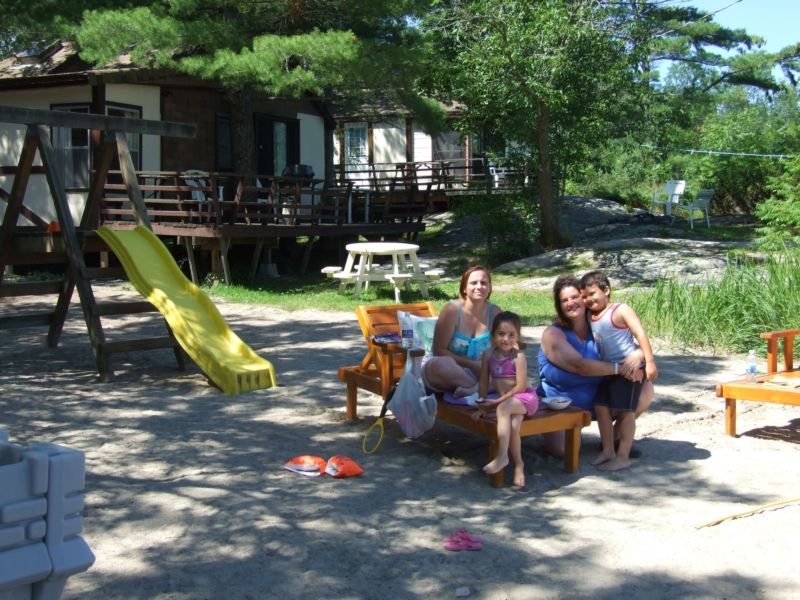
[{"x": 186, "y": 497}]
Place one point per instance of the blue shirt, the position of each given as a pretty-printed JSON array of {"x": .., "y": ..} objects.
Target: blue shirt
[
  {"x": 472, "y": 348},
  {"x": 555, "y": 381}
]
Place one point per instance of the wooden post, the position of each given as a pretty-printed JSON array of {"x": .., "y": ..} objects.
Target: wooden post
[{"x": 76, "y": 265}]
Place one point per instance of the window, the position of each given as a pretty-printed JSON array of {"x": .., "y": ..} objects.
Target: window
[
  {"x": 73, "y": 146},
  {"x": 449, "y": 146},
  {"x": 134, "y": 139},
  {"x": 356, "y": 150},
  {"x": 224, "y": 156}
]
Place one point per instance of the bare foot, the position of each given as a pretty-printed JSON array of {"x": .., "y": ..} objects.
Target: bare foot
[
  {"x": 497, "y": 465},
  {"x": 460, "y": 391},
  {"x": 615, "y": 464},
  {"x": 519, "y": 475},
  {"x": 602, "y": 458}
]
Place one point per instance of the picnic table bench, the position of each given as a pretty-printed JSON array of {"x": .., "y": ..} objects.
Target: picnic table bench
[
  {"x": 381, "y": 368},
  {"x": 776, "y": 387}
]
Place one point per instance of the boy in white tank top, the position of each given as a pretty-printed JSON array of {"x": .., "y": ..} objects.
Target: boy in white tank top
[{"x": 617, "y": 330}]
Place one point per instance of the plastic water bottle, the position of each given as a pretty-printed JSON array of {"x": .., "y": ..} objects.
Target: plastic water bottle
[
  {"x": 751, "y": 368},
  {"x": 407, "y": 332}
]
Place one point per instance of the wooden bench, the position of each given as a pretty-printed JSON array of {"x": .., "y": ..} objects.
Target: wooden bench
[
  {"x": 776, "y": 387},
  {"x": 330, "y": 271},
  {"x": 383, "y": 364}
]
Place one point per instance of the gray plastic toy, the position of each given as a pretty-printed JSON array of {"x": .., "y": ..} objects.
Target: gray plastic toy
[{"x": 41, "y": 499}]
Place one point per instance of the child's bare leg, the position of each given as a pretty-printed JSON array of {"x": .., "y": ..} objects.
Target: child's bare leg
[
  {"x": 606, "y": 428},
  {"x": 505, "y": 410},
  {"x": 515, "y": 446},
  {"x": 627, "y": 428},
  {"x": 462, "y": 391},
  {"x": 645, "y": 400}
]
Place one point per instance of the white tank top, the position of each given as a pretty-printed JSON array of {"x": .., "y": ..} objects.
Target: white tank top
[{"x": 614, "y": 343}]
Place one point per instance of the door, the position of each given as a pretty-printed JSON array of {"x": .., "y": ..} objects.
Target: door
[{"x": 277, "y": 144}]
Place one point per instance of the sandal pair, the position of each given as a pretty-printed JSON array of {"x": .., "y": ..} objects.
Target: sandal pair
[{"x": 462, "y": 540}]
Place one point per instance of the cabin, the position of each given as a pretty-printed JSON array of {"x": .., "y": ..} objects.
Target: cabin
[{"x": 287, "y": 132}]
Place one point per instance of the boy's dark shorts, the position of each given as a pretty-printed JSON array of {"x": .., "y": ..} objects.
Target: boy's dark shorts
[{"x": 619, "y": 393}]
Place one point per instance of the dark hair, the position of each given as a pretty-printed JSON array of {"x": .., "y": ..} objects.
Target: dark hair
[
  {"x": 597, "y": 278},
  {"x": 507, "y": 316},
  {"x": 462, "y": 288},
  {"x": 563, "y": 281}
]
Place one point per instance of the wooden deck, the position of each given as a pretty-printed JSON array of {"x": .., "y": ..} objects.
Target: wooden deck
[{"x": 212, "y": 211}]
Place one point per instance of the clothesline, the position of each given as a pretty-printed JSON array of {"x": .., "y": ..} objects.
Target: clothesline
[{"x": 721, "y": 152}]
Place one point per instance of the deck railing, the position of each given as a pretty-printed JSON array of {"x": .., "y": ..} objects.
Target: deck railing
[
  {"x": 219, "y": 199},
  {"x": 451, "y": 176}
]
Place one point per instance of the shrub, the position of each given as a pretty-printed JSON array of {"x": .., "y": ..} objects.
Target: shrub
[{"x": 508, "y": 223}]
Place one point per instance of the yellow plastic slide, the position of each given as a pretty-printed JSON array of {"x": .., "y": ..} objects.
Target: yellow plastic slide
[{"x": 195, "y": 320}]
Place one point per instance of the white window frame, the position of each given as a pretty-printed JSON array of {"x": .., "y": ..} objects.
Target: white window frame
[{"x": 76, "y": 159}]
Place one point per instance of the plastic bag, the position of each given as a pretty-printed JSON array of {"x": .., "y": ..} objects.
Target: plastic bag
[
  {"x": 414, "y": 410},
  {"x": 423, "y": 329}
]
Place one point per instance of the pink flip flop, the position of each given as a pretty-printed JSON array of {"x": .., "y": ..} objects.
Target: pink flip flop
[{"x": 462, "y": 540}]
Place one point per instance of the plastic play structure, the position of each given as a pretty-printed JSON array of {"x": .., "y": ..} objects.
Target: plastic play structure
[
  {"x": 41, "y": 500},
  {"x": 194, "y": 319}
]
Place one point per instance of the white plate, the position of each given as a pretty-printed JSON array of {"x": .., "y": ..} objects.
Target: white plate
[{"x": 556, "y": 402}]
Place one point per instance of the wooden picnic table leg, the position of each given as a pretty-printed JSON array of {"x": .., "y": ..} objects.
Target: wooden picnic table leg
[
  {"x": 396, "y": 271},
  {"x": 348, "y": 269},
  {"x": 365, "y": 270},
  {"x": 730, "y": 416},
  {"x": 423, "y": 286}
]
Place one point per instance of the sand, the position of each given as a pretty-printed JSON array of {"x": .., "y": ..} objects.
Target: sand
[{"x": 186, "y": 497}]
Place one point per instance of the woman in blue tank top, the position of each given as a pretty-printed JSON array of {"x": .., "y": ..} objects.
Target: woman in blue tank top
[
  {"x": 461, "y": 336},
  {"x": 569, "y": 362}
]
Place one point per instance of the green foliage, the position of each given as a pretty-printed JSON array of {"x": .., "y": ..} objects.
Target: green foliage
[
  {"x": 543, "y": 75},
  {"x": 728, "y": 313},
  {"x": 623, "y": 170},
  {"x": 780, "y": 213},
  {"x": 508, "y": 224},
  {"x": 279, "y": 47}
]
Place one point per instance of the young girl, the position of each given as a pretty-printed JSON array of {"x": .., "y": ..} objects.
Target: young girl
[{"x": 504, "y": 369}]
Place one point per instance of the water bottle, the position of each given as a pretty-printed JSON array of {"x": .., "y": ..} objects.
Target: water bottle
[
  {"x": 407, "y": 332},
  {"x": 750, "y": 369}
]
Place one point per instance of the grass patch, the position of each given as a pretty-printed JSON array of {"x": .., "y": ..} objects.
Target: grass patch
[
  {"x": 727, "y": 232},
  {"x": 729, "y": 313},
  {"x": 319, "y": 293}
]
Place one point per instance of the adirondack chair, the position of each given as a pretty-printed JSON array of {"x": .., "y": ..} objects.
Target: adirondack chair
[
  {"x": 700, "y": 202},
  {"x": 776, "y": 386},
  {"x": 669, "y": 197}
]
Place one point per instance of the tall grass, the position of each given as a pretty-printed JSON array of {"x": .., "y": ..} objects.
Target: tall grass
[{"x": 728, "y": 313}]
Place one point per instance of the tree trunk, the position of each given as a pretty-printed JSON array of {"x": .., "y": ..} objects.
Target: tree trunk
[
  {"x": 242, "y": 129},
  {"x": 549, "y": 236}
]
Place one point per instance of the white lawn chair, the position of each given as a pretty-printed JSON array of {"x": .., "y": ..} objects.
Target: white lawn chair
[
  {"x": 669, "y": 197},
  {"x": 700, "y": 202}
]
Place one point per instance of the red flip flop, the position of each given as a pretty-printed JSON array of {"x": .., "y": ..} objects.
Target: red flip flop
[{"x": 462, "y": 540}]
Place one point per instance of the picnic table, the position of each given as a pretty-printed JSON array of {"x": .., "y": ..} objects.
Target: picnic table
[{"x": 361, "y": 268}]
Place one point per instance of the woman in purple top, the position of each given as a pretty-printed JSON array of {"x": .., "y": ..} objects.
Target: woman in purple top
[{"x": 569, "y": 363}]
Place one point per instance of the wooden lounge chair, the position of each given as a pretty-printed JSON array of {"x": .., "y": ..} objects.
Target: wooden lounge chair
[
  {"x": 382, "y": 366},
  {"x": 777, "y": 387}
]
